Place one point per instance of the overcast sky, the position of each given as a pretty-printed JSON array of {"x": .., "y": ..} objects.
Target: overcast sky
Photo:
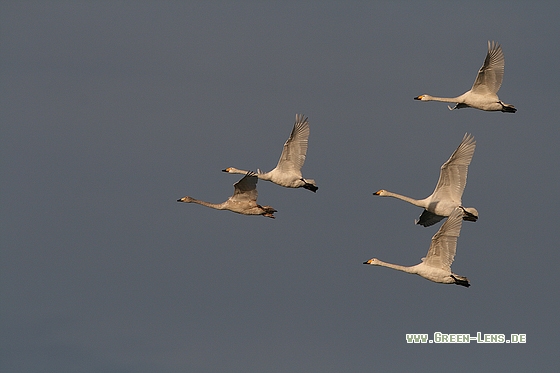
[{"x": 111, "y": 111}]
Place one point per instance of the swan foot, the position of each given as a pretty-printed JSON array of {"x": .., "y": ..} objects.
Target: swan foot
[
  {"x": 506, "y": 108},
  {"x": 268, "y": 211},
  {"x": 468, "y": 216},
  {"x": 311, "y": 187},
  {"x": 460, "y": 280},
  {"x": 459, "y": 105}
]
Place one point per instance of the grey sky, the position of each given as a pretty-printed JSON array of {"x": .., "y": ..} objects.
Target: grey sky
[{"x": 109, "y": 112}]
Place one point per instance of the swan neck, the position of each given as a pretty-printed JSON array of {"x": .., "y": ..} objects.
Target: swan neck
[
  {"x": 218, "y": 206},
  {"x": 261, "y": 175},
  {"x": 237, "y": 171},
  {"x": 415, "y": 202},
  {"x": 454, "y": 100},
  {"x": 395, "y": 266},
  {"x": 264, "y": 175}
]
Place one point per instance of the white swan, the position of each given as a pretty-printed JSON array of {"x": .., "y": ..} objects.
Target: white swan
[
  {"x": 288, "y": 171},
  {"x": 449, "y": 189},
  {"x": 243, "y": 201},
  {"x": 436, "y": 266},
  {"x": 484, "y": 93}
]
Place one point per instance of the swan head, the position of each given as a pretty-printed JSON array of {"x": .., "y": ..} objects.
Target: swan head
[
  {"x": 380, "y": 192},
  {"x": 185, "y": 199},
  {"x": 423, "y": 97},
  {"x": 372, "y": 262},
  {"x": 233, "y": 170}
]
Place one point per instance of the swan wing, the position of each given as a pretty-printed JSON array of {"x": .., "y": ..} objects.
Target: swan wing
[
  {"x": 245, "y": 190},
  {"x": 429, "y": 218},
  {"x": 444, "y": 242},
  {"x": 453, "y": 173},
  {"x": 491, "y": 74},
  {"x": 295, "y": 148}
]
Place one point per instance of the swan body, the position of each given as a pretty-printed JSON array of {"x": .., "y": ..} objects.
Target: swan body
[
  {"x": 288, "y": 171},
  {"x": 449, "y": 189},
  {"x": 484, "y": 93},
  {"x": 436, "y": 266},
  {"x": 243, "y": 201}
]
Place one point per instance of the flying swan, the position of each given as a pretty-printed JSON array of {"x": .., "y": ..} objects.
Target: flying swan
[
  {"x": 484, "y": 93},
  {"x": 243, "y": 201},
  {"x": 449, "y": 189},
  {"x": 288, "y": 171},
  {"x": 436, "y": 266}
]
